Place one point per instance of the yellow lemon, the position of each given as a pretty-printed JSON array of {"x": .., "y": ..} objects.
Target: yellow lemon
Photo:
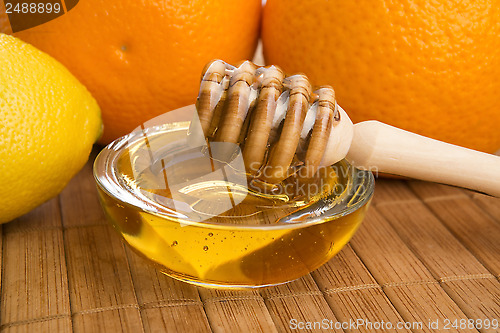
[{"x": 48, "y": 123}]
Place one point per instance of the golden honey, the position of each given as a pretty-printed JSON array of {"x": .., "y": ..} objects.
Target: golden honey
[{"x": 258, "y": 239}]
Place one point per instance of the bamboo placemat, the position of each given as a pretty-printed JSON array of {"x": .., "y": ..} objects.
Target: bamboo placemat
[{"x": 425, "y": 252}]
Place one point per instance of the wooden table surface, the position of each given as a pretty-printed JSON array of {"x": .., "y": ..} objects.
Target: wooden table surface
[{"x": 425, "y": 252}]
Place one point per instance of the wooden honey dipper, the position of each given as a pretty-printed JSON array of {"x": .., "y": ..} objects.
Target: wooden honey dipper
[{"x": 279, "y": 120}]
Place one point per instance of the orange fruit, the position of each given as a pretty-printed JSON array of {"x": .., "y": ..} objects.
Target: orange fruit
[
  {"x": 433, "y": 69},
  {"x": 140, "y": 59}
]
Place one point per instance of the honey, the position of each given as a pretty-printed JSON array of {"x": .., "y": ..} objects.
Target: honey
[{"x": 226, "y": 231}]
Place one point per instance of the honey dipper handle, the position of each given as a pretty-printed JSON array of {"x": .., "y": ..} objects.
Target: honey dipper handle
[{"x": 387, "y": 149}]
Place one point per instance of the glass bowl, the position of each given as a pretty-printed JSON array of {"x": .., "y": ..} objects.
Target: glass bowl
[{"x": 202, "y": 237}]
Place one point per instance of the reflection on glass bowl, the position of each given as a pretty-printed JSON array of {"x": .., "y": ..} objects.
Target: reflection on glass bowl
[{"x": 202, "y": 222}]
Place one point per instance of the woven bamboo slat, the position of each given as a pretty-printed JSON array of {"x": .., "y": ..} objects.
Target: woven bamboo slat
[{"x": 425, "y": 252}]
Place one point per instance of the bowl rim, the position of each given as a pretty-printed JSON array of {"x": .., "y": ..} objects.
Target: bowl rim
[{"x": 365, "y": 179}]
